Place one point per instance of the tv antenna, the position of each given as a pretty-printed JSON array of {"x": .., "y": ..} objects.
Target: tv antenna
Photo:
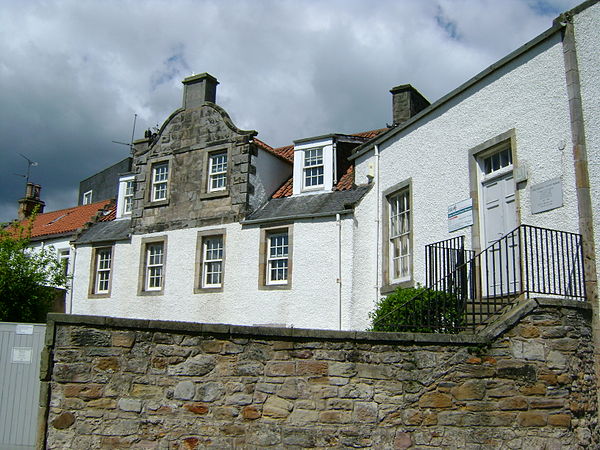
[
  {"x": 130, "y": 144},
  {"x": 30, "y": 163}
]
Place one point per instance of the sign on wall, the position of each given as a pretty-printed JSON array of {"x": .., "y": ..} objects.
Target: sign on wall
[
  {"x": 546, "y": 196},
  {"x": 460, "y": 215}
]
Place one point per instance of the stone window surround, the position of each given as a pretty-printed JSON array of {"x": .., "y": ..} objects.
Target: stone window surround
[
  {"x": 476, "y": 174},
  {"x": 262, "y": 259},
  {"x": 142, "y": 291},
  {"x": 148, "y": 202},
  {"x": 94, "y": 271},
  {"x": 206, "y": 153},
  {"x": 199, "y": 272},
  {"x": 389, "y": 286}
]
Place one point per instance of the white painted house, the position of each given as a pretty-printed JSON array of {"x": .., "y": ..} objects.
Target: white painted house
[{"x": 220, "y": 227}]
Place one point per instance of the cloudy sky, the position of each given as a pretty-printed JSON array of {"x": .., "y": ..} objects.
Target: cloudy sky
[{"x": 74, "y": 72}]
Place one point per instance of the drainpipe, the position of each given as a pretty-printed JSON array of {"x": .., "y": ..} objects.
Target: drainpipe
[
  {"x": 72, "y": 278},
  {"x": 338, "y": 219},
  {"x": 377, "y": 223}
]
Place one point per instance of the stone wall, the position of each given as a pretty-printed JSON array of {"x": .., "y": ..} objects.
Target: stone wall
[{"x": 116, "y": 383}]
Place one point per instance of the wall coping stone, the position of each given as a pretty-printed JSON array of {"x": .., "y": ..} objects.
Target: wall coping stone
[{"x": 485, "y": 336}]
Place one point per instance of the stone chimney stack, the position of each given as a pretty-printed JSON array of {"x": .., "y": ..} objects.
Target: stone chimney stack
[
  {"x": 31, "y": 200},
  {"x": 406, "y": 102},
  {"x": 198, "y": 89}
]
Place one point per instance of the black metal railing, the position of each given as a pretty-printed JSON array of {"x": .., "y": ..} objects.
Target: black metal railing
[
  {"x": 527, "y": 261},
  {"x": 443, "y": 257}
]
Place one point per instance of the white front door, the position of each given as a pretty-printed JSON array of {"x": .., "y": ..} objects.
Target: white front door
[{"x": 499, "y": 219}]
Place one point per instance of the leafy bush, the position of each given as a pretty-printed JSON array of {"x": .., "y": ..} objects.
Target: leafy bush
[
  {"x": 417, "y": 310},
  {"x": 28, "y": 277}
]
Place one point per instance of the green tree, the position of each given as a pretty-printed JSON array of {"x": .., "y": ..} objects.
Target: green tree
[{"x": 28, "y": 277}]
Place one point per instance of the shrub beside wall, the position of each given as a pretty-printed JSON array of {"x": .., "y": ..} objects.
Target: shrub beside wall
[{"x": 114, "y": 383}]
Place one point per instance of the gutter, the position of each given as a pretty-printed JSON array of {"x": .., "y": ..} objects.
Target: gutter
[
  {"x": 362, "y": 149},
  {"x": 297, "y": 216}
]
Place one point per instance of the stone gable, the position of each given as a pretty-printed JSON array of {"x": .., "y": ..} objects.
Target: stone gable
[{"x": 185, "y": 142}]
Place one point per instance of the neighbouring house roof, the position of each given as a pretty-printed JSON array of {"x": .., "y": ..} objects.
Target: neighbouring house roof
[
  {"x": 106, "y": 231},
  {"x": 314, "y": 205},
  {"x": 64, "y": 221}
]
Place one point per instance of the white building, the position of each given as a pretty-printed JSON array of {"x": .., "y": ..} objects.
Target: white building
[{"x": 217, "y": 231}]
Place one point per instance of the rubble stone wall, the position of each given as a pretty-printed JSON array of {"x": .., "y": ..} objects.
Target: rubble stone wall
[{"x": 117, "y": 383}]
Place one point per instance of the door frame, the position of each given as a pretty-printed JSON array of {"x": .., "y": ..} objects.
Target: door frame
[{"x": 476, "y": 154}]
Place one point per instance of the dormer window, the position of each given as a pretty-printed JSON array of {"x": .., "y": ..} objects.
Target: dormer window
[
  {"x": 128, "y": 197},
  {"x": 313, "y": 167},
  {"x": 125, "y": 196},
  {"x": 217, "y": 172}
]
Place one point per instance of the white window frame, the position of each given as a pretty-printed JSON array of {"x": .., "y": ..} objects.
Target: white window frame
[
  {"x": 211, "y": 261},
  {"x": 313, "y": 160},
  {"x": 87, "y": 197},
  {"x": 217, "y": 171},
  {"x": 272, "y": 260},
  {"x": 154, "y": 270},
  {"x": 400, "y": 236},
  {"x": 102, "y": 270},
  {"x": 128, "y": 196},
  {"x": 160, "y": 181},
  {"x": 125, "y": 196}
]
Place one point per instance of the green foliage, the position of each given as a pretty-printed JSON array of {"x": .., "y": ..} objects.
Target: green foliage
[
  {"x": 27, "y": 277},
  {"x": 417, "y": 310}
]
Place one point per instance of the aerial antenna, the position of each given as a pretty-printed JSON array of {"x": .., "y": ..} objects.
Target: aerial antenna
[
  {"x": 130, "y": 144},
  {"x": 30, "y": 163}
]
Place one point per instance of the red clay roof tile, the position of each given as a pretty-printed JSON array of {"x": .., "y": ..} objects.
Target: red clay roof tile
[{"x": 65, "y": 220}]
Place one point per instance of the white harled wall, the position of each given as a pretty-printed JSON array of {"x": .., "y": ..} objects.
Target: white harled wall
[
  {"x": 528, "y": 95},
  {"x": 312, "y": 303}
]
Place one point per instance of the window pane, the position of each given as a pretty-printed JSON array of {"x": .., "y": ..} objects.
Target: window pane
[
  {"x": 217, "y": 172},
  {"x": 399, "y": 239},
  {"x": 277, "y": 258},
  {"x": 212, "y": 267}
]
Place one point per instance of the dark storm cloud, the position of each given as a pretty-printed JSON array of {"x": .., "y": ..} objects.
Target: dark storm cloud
[{"x": 74, "y": 72}]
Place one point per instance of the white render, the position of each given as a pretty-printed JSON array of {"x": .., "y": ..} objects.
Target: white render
[
  {"x": 313, "y": 301},
  {"x": 271, "y": 172}
]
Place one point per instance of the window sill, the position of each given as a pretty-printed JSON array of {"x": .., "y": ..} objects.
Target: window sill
[
  {"x": 389, "y": 288},
  {"x": 275, "y": 287},
  {"x": 215, "y": 194},
  {"x": 150, "y": 293},
  {"x": 207, "y": 290},
  {"x": 154, "y": 204},
  {"x": 94, "y": 296}
]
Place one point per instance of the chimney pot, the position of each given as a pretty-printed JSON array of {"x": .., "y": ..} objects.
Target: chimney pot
[
  {"x": 198, "y": 89},
  {"x": 406, "y": 102}
]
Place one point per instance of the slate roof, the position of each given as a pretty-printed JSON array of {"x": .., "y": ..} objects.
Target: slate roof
[
  {"x": 64, "y": 221},
  {"x": 313, "y": 205},
  {"x": 115, "y": 230}
]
